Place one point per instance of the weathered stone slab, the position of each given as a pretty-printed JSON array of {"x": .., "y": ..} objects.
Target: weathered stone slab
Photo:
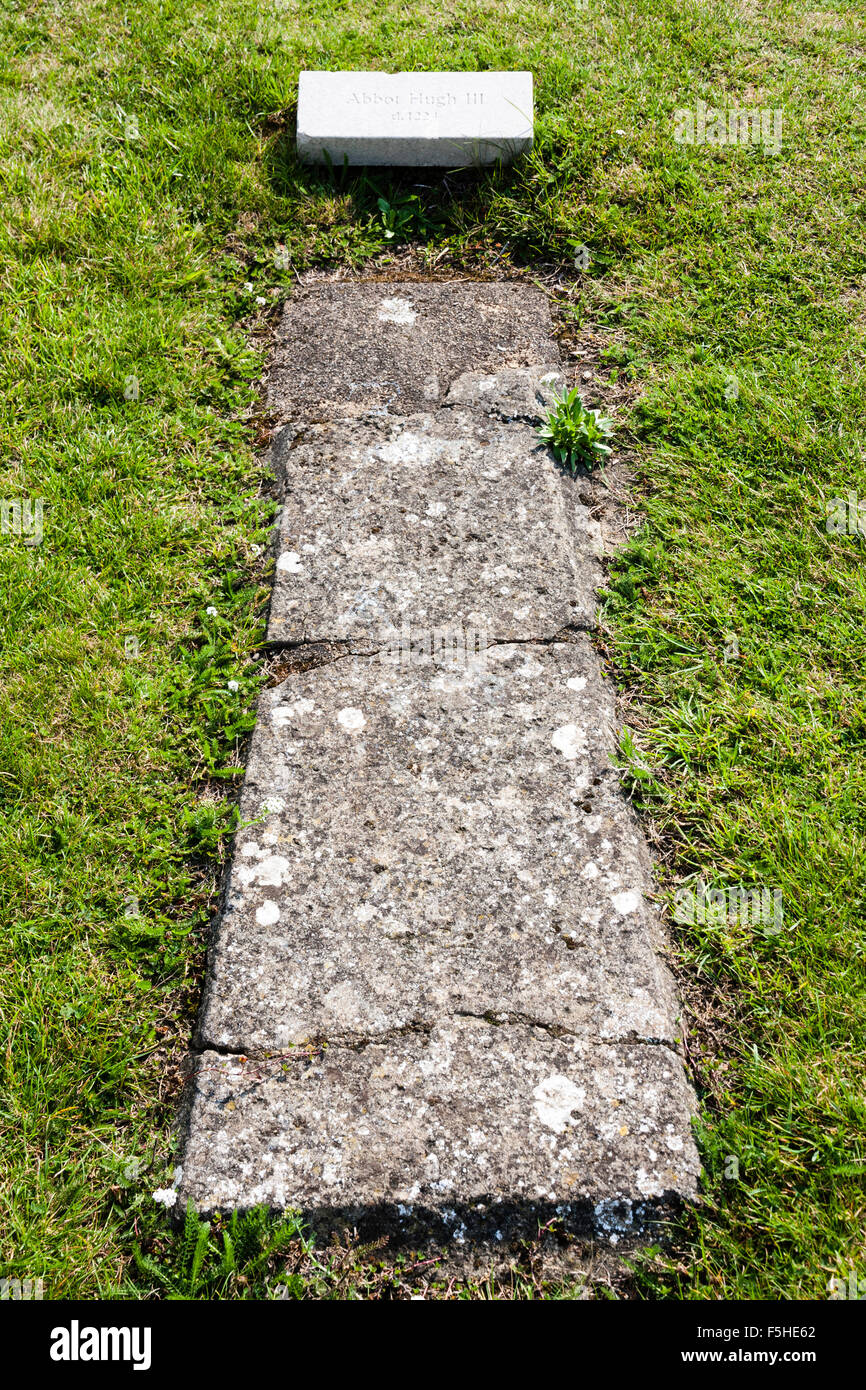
[
  {"x": 422, "y": 842},
  {"x": 467, "y": 1131},
  {"x": 438, "y": 119},
  {"x": 345, "y": 349},
  {"x": 436, "y": 969},
  {"x": 433, "y": 520}
]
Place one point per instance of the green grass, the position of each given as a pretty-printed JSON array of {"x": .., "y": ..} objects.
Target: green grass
[{"x": 147, "y": 180}]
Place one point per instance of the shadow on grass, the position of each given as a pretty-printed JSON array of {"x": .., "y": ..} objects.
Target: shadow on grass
[{"x": 408, "y": 204}]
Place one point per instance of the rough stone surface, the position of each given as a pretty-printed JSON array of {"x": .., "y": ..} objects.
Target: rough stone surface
[
  {"x": 423, "y": 841},
  {"x": 440, "y": 518},
  {"x": 438, "y": 119},
  {"x": 345, "y": 350},
  {"x": 465, "y": 1132},
  {"x": 436, "y": 1004},
  {"x": 514, "y": 393}
]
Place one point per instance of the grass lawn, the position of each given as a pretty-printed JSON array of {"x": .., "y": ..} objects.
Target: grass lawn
[{"x": 153, "y": 216}]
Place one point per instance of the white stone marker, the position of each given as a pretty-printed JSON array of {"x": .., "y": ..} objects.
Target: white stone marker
[{"x": 447, "y": 119}]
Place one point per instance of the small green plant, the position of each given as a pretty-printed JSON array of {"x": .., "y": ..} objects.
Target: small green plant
[
  {"x": 403, "y": 216},
  {"x": 238, "y": 1257},
  {"x": 574, "y": 433},
  {"x": 396, "y": 217}
]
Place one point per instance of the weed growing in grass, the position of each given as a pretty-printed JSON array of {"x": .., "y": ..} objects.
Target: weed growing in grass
[
  {"x": 404, "y": 216},
  {"x": 226, "y": 1258},
  {"x": 576, "y": 434}
]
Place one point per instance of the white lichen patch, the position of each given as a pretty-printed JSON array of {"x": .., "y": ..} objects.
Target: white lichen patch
[
  {"x": 530, "y": 669},
  {"x": 343, "y": 1004},
  {"x": 267, "y": 914},
  {"x": 411, "y": 449},
  {"x": 569, "y": 740},
  {"x": 648, "y": 1184},
  {"x": 556, "y": 1097},
  {"x": 507, "y": 798},
  {"x": 290, "y": 562},
  {"x": 269, "y": 873},
  {"x": 397, "y": 310},
  {"x": 625, "y": 903},
  {"x": 351, "y": 719},
  {"x": 576, "y": 683},
  {"x": 283, "y": 715},
  {"x": 614, "y": 1217}
]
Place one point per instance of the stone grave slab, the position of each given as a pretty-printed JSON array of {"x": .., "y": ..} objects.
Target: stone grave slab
[
  {"x": 429, "y": 840},
  {"x": 436, "y": 1001},
  {"x": 436, "y": 519},
  {"x": 469, "y": 1131},
  {"x": 394, "y": 347}
]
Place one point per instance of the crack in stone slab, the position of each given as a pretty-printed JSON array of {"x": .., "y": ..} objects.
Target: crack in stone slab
[
  {"x": 301, "y": 1052},
  {"x": 307, "y": 656}
]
